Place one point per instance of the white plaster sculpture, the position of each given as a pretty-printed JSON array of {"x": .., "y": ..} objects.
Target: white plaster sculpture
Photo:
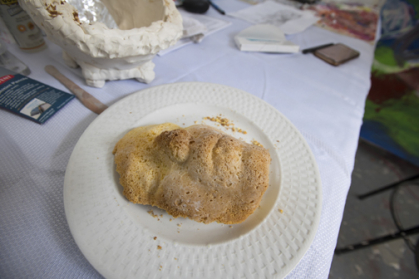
[{"x": 103, "y": 53}]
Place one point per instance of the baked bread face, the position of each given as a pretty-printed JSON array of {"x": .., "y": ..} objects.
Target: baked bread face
[{"x": 197, "y": 172}]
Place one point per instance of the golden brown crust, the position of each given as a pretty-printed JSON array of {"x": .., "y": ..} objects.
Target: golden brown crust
[
  {"x": 175, "y": 144},
  {"x": 198, "y": 172}
]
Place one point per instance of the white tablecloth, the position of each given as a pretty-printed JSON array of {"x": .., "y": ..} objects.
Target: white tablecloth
[{"x": 325, "y": 103}]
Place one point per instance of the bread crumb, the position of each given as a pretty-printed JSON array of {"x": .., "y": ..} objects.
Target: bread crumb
[
  {"x": 223, "y": 121},
  {"x": 152, "y": 213},
  {"x": 159, "y": 247},
  {"x": 280, "y": 210},
  {"x": 255, "y": 142},
  {"x": 175, "y": 259},
  {"x": 226, "y": 123},
  {"x": 155, "y": 238}
]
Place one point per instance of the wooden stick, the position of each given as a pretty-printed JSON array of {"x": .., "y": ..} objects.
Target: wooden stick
[{"x": 85, "y": 98}]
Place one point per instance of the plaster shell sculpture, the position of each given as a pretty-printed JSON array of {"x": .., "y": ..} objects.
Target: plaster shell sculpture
[{"x": 144, "y": 28}]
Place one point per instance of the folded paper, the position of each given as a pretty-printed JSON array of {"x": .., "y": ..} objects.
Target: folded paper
[{"x": 264, "y": 38}]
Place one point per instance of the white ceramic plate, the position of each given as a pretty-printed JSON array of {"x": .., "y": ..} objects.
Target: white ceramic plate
[{"x": 125, "y": 240}]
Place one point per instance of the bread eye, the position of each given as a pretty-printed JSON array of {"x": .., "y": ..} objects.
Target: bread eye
[{"x": 175, "y": 144}]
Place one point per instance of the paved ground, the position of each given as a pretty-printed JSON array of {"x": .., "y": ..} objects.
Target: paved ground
[{"x": 371, "y": 218}]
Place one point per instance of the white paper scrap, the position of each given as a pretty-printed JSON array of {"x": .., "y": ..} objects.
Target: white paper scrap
[
  {"x": 288, "y": 18},
  {"x": 264, "y": 38},
  {"x": 196, "y": 28},
  {"x": 192, "y": 27}
]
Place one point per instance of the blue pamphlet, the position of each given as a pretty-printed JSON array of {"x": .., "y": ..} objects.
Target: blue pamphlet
[{"x": 30, "y": 98}]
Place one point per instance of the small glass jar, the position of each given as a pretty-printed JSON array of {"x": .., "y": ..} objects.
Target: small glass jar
[
  {"x": 27, "y": 35},
  {"x": 11, "y": 62}
]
